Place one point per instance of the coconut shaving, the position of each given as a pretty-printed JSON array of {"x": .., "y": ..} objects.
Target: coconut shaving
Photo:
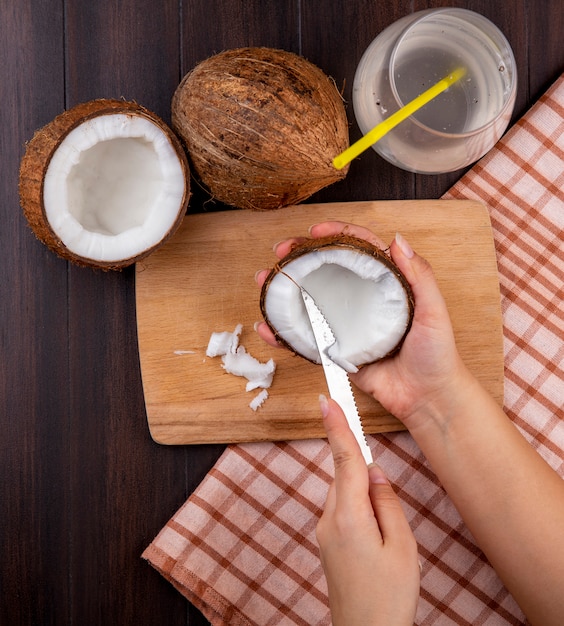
[{"x": 237, "y": 361}]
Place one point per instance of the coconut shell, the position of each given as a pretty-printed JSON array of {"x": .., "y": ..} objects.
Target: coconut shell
[
  {"x": 39, "y": 152},
  {"x": 335, "y": 241},
  {"x": 261, "y": 127}
]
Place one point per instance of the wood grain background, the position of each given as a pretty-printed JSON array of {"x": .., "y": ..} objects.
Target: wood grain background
[{"x": 83, "y": 488}]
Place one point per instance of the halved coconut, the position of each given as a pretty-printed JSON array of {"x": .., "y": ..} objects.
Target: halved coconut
[
  {"x": 104, "y": 183},
  {"x": 261, "y": 126},
  {"x": 361, "y": 292}
]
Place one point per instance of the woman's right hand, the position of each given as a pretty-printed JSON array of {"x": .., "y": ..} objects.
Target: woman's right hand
[{"x": 367, "y": 549}]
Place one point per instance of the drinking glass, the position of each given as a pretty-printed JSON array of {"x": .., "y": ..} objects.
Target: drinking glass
[{"x": 461, "y": 124}]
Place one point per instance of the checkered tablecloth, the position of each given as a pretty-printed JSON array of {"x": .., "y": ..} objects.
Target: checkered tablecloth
[{"x": 243, "y": 548}]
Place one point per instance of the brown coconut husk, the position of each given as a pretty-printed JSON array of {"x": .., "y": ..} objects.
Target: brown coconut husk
[
  {"x": 261, "y": 127},
  {"x": 336, "y": 241},
  {"x": 39, "y": 152}
]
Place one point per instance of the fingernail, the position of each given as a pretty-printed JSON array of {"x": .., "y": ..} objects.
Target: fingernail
[
  {"x": 324, "y": 405},
  {"x": 256, "y": 325},
  {"x": 276, "y": 245},
  {"x": 376, "y": 476},
  {"x": 404, "y": 246},
  {"x": 311, "y": 228},
  {"x": 257, "y": 274}
]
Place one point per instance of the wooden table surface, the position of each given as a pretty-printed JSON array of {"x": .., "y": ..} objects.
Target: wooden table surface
[{"x": 83, "y": 488}]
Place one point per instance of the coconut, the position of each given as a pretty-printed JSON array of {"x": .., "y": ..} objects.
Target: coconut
[
  {"x": 104, "y": 184},
  {"x": 261, "y": 127},
  {"x": 361, "y": 292}
]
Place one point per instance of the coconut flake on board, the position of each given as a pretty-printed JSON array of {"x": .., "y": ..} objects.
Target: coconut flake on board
[
  {"x": 237, "y": 361},
  {"x": 258, "y": 400},
  {"x": 221, "y": 343}
]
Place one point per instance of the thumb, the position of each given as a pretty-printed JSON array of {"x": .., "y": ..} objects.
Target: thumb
[
  {"x": 386, "y": 505},
  {"x": 420, "y": 276}
]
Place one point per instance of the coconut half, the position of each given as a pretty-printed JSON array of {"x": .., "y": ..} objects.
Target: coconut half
[
  {"x": 261, "y": 127},
  {"x": 365, "y": 298},
  {"x": 104, "y": 183}
]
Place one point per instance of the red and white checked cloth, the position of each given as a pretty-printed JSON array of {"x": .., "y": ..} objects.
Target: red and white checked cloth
[{"x": 243, "y": 548}]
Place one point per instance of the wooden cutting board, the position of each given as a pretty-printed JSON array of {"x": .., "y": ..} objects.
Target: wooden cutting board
[{"x": 202, "y": 281}]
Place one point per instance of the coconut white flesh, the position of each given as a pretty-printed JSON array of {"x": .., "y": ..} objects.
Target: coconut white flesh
[
  {"x": 113, "y": 187},
  {"x": 237, "y": 361},
  {"x": 258, "y": 400},
  {"x": 241, "y": 363},
  {"x": 222, "y": 342},
  {"x": 361, "y": 298}
]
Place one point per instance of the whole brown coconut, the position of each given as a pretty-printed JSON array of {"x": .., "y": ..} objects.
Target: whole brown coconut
[
  {"x": 359, "y": 289},
  {"x": 261, "y": 127},
  {"x": 104, "y": 184}
]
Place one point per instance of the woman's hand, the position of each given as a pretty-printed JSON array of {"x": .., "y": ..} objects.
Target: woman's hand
[
  {"x": 511, "y": 500},
  {"x": 368, "y": 551},
  {"x": 424, "y": 374}
]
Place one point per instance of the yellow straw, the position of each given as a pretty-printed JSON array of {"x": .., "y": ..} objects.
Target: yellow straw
[{"x": 386, "y": 126}]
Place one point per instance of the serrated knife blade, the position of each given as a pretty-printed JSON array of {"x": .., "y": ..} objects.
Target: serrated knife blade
[{"x": 337, "y": 378}]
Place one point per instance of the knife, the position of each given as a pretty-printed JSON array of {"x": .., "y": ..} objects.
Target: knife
[{"x": 337, "y": 378}]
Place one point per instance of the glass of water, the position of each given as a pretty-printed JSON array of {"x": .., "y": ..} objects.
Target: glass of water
[{"x": 460, "y": 125}]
